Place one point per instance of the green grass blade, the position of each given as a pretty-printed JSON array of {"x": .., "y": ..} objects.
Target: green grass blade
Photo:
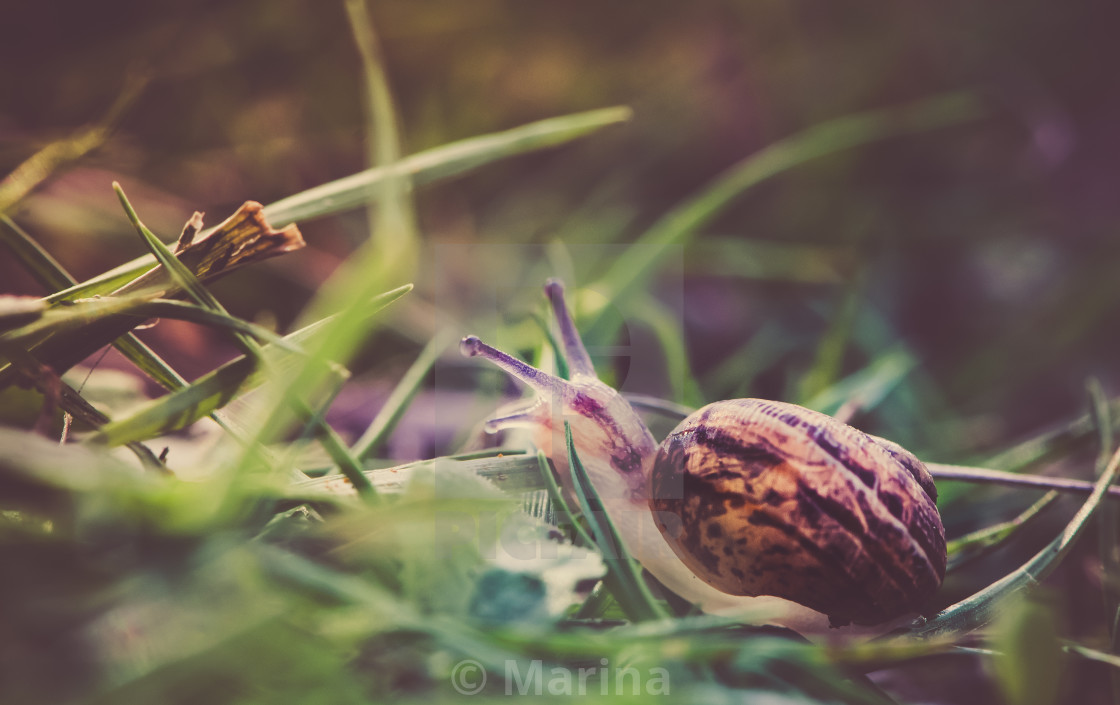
[
  {"x": 1074, "y": 435},
  {"x": 401, "y": 396},
  {"x": 180, "y": 275},
  {"x": 866, "y": 388},
  {"x": 1108, "y": 535},
  {"x": 442, "y": 162},
  {"x": 149, "y": 362},
  {"x": 977, "y": 544},
  {"x": 182, "y": 407},
  {"x": 631, "y": 273},
  {"x": 761, "y": 260},
  {"x": 390, "y": 207},
  {"x": 624, "y": 578},
  {"x": 1094, "y": 655},
  {"x": 186, "y": 279},
  {"x": 666, "y": 327},
  {"x": 54, "y": 277},
  {"x": 106, "y": 282},
  {"x": 353, "y": 191},
  {"x": 142, "y": 307},
  {"x": 369, "y": 270},
  {"x": 829, "y": 360},
  {"x": 558, "y": 360},
  {"x": 38, "y": 167},
  {"x": 347, "y": 462},
  {"x": 210, "y": 392},
  {"x": 68, "y": 399},
  {"x": 980, "y": 608},
  {"x": 558, "y": 501},
  {"x": 43, "y": 267}
]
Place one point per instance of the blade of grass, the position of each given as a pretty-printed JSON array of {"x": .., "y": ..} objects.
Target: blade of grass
[
  {"x": 141, "y": 307},
  {"x": 402, "y": 395},
  {"x": 666, "y": 327},
  {"x": 981, "y": 607},
  {"x": 865, "y": 388},
  {"x": 44, "y": 268},
  {"x": 631, "y": 273},
  {"x": 830, "y": 350},
  {"x": 977, "y": 544},
  {"x": 1094, "y": 655},
  {"x": 37, "y": 168},
  {"x": 54, "y": 277},
  {"x": 388, "y": 256},
  {"x": 1108, "y": 539},
  {"x": 52, "y": 386},
  {"x": 1075, "y": 434},
  {"x": 243, "y": 238},
  {"x": 186, "y": 280},
  {"x": 390, "y": 208},
  {"x": 353, "y": 191},
  {"x": 390, "y": 253},
  {"x": 961, "y": 473},
  {"x": 558, "y": 360},
  {"x": 149, "y": 362},
  {"x": 624, "y": 578},
  {"x": 444, "y": 162},
  {"x": 210, "y": 392},
  {"x": 182, "y": 277},
  {"x": 730, "y": 256},
  {"x": 561, "y": 504},
  {"x": 347, "y": 463}
]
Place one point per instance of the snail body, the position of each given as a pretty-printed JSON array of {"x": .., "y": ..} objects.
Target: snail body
[{"x": 747, "y": 503}]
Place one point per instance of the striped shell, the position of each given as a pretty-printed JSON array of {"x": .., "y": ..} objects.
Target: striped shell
[{"x": 766, "y": 498}]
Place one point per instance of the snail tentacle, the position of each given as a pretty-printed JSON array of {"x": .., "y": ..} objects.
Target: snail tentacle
[
  {"x": 540, "y": 381},
  {"x": 574, "y": 351}
]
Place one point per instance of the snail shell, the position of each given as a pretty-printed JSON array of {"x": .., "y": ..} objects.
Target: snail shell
[{"x": 766, "y": 498}]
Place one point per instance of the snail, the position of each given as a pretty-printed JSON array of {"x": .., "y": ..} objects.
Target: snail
[{"x": 747, "y": 502}]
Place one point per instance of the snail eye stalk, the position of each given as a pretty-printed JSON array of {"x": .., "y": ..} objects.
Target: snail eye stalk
[
  {"x": 539, "y": 381},
  {"x": 578, "y": 359}
]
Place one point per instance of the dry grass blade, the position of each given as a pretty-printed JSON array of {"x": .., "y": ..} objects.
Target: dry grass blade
[
  {"x": 962, "y": 473},
  {"x": 243, "y": 238}
]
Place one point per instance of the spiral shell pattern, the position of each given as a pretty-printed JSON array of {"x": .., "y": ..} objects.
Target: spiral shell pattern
[{"x": 767, "y": 498}]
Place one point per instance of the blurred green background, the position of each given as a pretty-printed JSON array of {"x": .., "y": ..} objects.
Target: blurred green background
[{"x": 988, "y": 248}]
